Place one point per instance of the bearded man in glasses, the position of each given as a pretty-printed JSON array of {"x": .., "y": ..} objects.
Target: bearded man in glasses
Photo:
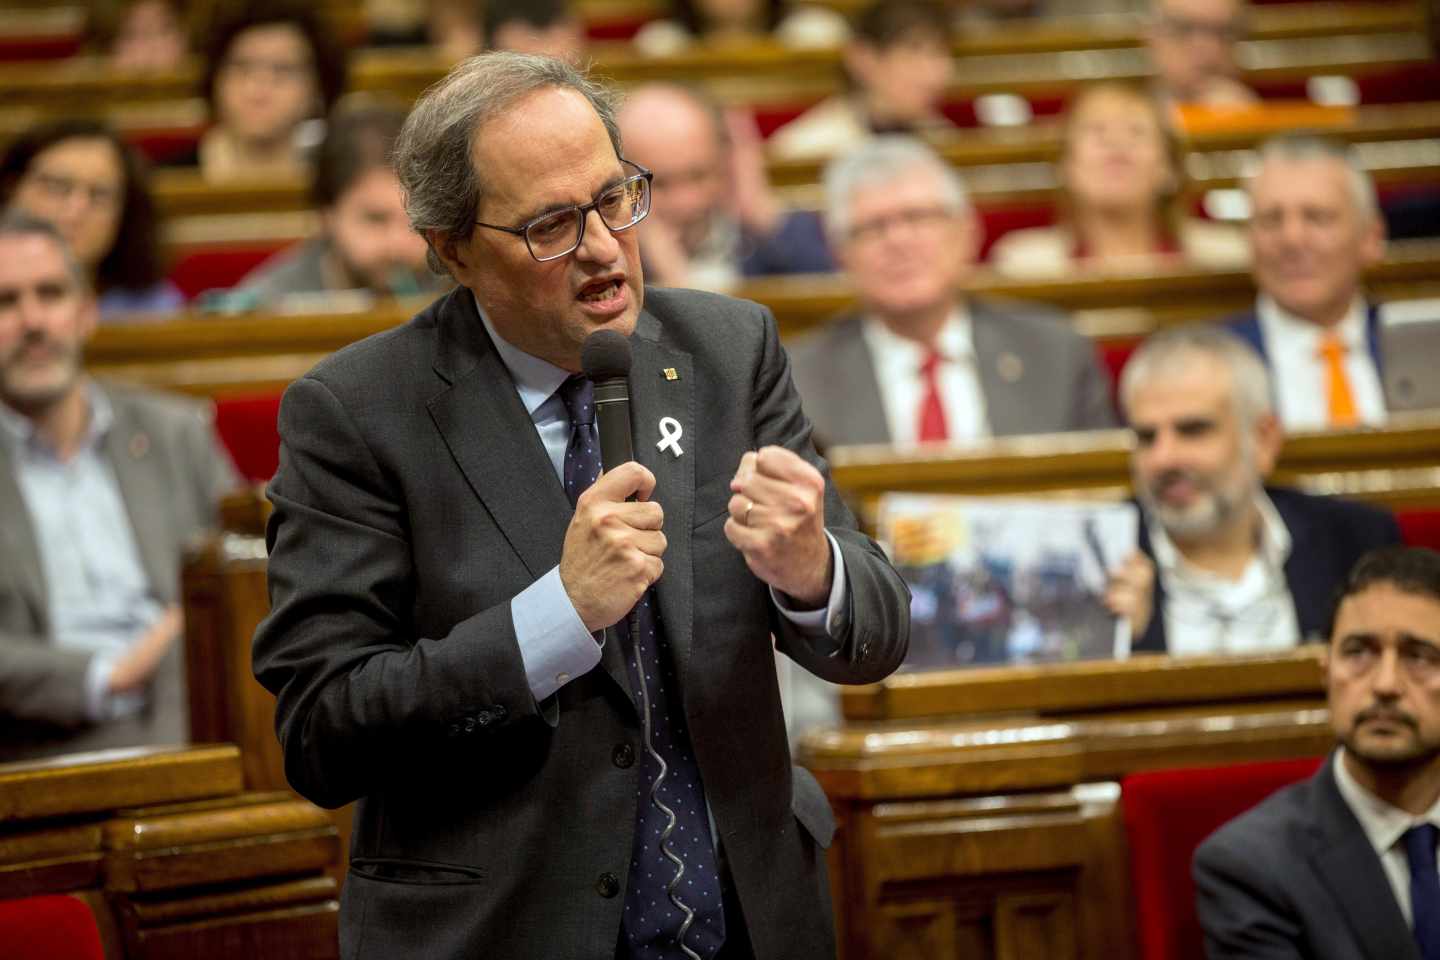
[{"x": 556, "y": 752}]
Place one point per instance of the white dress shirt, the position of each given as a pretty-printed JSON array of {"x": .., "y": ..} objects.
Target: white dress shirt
[
  {"x": 1384, "y": 826},
  {"x": 1298, "y": 371},
  {"x": 1209, "y": 614},
  {"x": 897, "y": 363}
]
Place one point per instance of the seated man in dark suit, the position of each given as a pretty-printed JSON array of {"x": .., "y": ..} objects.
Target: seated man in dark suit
[
  {"x": 921, "y": 361},
  {"x": 1342, "y": 866},
  {"x": 1227, "y": 564},
  {"x": 100, "y": 488},
  {"x": 716, "y": 220},
  {"x": 1315, "y": 226}
]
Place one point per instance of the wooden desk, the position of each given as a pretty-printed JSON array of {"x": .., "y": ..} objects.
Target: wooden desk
[
  {"x": 263, "y": 353},
  {"x": 1398, "y": 466},
  {"x": 1397, "y": 144},
  {"x": 174, "y": 858},
  {"x": 978, "y": 809},
  {"x": 766, "y": 73}
]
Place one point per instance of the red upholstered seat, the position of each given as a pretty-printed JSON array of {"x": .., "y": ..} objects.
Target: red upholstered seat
[
  {"x": 247, "y": 427},
  {"x": 1167, "y": 815},
  {"x": 49, "y": 927},
  {"x": 1419, "y": 527},
  {"x": 219, "y": 268}
]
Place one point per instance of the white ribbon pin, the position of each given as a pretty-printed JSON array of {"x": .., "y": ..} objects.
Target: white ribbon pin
[{"x": 670, "y": 434}]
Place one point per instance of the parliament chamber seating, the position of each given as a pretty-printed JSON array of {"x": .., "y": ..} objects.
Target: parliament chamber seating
[
  {"x": 1168, "y": 813},
  {"x": 50, "y": 926},
  {"x": 161, "y": 853}
]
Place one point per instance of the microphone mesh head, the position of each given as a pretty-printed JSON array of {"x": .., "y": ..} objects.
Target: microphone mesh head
[{"x": 605, "y": 356}]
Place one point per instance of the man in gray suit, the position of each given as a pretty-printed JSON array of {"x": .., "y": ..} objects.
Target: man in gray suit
[
  {"x": 921, "y": 361},
  {"x": 470, "y": 633},
  {"x": 100, "y": 487},
  {"x": 1343, "y": 866}
]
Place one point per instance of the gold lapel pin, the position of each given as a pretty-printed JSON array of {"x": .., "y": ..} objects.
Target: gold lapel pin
[
  {"x": 139, "y": 446},
  {"x": 1010, "y": 367},
  {"x": 671, "y": 373}
]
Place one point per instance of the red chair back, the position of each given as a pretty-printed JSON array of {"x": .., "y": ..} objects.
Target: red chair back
[
  {"x": 1167, "y": 815},
  {"x": 247, "y": 427},
  {"x": 49, "y": 927},
  {"x": 1420, "y": 528}
]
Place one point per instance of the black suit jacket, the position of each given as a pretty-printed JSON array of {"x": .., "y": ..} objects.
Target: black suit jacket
[
  {"x": 1296, "y": 878},
  {"x": 413, "y": 501},
  {"x": 1327, "y": 536}
]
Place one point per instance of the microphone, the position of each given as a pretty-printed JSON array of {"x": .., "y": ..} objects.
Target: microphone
[{"x": 605, "y": 359}]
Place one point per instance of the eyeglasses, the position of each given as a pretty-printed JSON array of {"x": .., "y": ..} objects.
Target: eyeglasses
[
  {"x": 915, "y": 219},
  {"x": 557, "y": 234},
  {"x": 1357, "y": 655},
  {"x": 61, "y": 187},
  {"x": 1187, "y": 30}
]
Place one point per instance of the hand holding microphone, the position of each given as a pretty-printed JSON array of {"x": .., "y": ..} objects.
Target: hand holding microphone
[{"x": 614, "y": 542}]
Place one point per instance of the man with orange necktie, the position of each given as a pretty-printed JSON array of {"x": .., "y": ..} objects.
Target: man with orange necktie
[{"x": 1315, "y": 227}]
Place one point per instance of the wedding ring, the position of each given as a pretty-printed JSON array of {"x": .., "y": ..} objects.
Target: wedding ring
[{"x": 746, "y": 521}]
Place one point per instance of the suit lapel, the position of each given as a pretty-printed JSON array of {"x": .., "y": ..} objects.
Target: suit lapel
[
  {"x": 22, "y": 554},
  {"x": 130, "y": 448},
  {"x": 855, "y": 388},
  {"x": 654, "y": 396},
  {"x": 493, "y": 439},
  {"x": 1346, "y": 864},
  {"x": 1005, "y": 401},
  {"x": 1302, "y": 574}
]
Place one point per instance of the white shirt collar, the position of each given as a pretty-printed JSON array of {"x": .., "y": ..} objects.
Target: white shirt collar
[
  {"x": 536, "y": 380},
  {"x": 955, "y": 341},
  {"x": 1383, "y": 824},
  {"x": 1273, "y": 548},
  {"x": 1279, "y": 322},
  {"x": 21, "y": 432}
]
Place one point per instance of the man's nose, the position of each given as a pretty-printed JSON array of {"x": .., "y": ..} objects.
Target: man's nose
[
  {"x": 599, "y": 244},
  {"x": 1386, "y": 680}
]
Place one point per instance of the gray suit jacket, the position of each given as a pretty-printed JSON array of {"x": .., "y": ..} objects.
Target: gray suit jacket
[
  {"x": 171, "y": 473},
  {"x": 1296, "y": 878},
  {"x": 1037, "y": 376},
  {"x": 413, "y": 501}
]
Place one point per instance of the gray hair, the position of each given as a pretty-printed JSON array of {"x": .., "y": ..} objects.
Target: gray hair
[
  {"x": 1308, "y": 148},
  {"x": 433, "y": 156},
  {"x": 17, "y": 223},
  {"x": 879, "y": 161},
  {"x": 1165, "y": 353}
]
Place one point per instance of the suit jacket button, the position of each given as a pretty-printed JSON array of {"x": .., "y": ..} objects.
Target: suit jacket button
[
  {"x": 608, "y": 885},
  {"x": 623, "y": 756}
]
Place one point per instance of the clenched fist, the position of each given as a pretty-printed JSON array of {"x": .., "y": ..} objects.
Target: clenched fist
[{"x": 777, "y": 520}]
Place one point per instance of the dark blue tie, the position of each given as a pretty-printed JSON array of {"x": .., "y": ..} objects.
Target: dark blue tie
[
  {"x": 1424, "y": 888},
  {"x": 652, "y": 922}
]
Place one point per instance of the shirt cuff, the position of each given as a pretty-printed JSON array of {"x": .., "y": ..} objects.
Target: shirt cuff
[
  {"x": 101, "y": 706},
  {"x": 554, "y": 644},
  {"x": 817, "y": 623}
]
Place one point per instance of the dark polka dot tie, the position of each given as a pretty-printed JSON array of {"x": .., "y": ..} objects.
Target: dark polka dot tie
[{"x": 651, "y": 921}]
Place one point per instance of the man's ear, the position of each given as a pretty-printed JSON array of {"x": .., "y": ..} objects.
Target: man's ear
[
  {"x": 1372, "y": 249},
  {"x": 859, "y": 60},
  {"x": 447, "y": 250},
  {"x": 1269, "y": 438}
]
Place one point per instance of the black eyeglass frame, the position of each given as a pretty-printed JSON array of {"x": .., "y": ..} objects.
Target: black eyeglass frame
[{"x": 523, "y": 231}]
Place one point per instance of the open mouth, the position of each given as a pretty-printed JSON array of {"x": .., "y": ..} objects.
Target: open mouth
[{"x": 601, "y": 290}]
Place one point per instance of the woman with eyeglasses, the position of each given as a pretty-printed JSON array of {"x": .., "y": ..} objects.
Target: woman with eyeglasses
[
  {"x": 272, "y": 73},
  {"x": 80, "y": 176}
]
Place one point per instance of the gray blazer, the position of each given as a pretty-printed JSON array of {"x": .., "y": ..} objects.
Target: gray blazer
[
  {"x": 1036, "y": 373},
  {"x": 172, "y": 473},
  {"x": 1296, "y": 878},
  {"x": 414, "y": 499}
]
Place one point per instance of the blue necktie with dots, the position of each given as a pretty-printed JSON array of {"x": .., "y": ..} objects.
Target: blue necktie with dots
[
  {"x": 1424, "y": 888},
  {"x": 651, "y": 921}
]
